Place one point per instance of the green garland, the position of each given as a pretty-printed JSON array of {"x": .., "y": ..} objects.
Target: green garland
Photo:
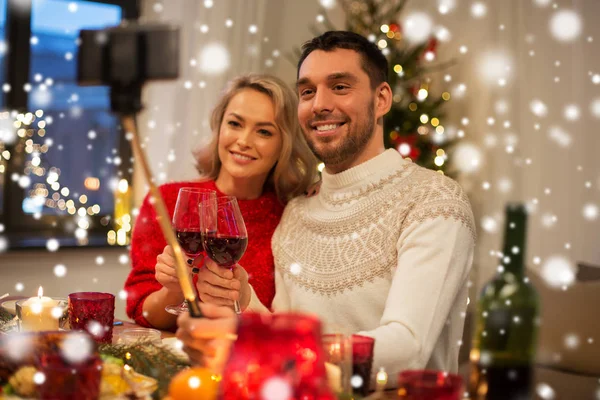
[
  {"x": 157, "y": 362},
  {"x": 5, "y": 316}
]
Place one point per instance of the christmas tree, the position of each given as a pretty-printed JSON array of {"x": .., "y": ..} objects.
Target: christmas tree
[{"x": 414, "y": 124}]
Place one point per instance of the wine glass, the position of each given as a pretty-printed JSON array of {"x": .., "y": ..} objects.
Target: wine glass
[
  {"x": 186, "y": 222},
  {"x": 224, "y": 233}
]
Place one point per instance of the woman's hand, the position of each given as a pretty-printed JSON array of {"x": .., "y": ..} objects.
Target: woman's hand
[
  {"x": 165, "y": 271},
  {"x": 208, "y": 340},
  {"x": 222, "y": 286}
]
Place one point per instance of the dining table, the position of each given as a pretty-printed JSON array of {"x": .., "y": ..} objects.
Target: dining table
[
  {"x": 563, "y": 385},
  {"x": 549, "y": 382}
]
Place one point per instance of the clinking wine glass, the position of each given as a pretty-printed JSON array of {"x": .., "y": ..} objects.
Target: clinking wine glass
[
  {"x": 186, "y": 222},
  {"x": 224, "y": 234}
]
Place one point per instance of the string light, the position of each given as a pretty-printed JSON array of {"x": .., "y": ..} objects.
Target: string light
[{"x": 50, "y": 193}]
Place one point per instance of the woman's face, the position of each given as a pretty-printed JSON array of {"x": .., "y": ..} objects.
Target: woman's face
[{"x": 249, "y": 141}]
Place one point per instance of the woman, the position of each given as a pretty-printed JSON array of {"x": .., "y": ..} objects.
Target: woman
[{"x": 259, "y": 155}]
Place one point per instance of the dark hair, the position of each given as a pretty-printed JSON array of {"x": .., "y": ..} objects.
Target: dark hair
[{"x": 373, "y": 62}]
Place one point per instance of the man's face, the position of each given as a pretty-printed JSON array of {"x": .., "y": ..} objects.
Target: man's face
[{"x": 336, "y": 108}]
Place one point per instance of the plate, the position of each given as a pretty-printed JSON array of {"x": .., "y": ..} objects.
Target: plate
[
  {"x": 10, "y": 306},
  {"x": 175, "y": 345}
]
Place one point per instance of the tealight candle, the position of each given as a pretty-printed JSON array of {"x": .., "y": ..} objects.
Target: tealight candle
[{"x": 40, "y": 313}]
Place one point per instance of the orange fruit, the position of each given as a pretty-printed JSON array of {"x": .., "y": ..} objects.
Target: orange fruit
[{"x": 194, "y": 383}]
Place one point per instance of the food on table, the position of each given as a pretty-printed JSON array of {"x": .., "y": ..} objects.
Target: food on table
[
  {"x": 194, "y": 383},
  {"x": 22, "y": 382}
]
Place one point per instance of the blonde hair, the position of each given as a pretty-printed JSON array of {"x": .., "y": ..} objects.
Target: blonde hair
[{"x": 295, "y": 169}]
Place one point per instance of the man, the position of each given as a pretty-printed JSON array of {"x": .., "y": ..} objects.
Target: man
[{"x": 384, "y": 249}]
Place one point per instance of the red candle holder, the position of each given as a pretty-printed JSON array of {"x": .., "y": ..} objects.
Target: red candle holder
[
  {"x": 67, "y": 363},
  {"x": 93, "y": 312},
  {"x": 68, "y": 381},
  {"x": 362, "y": 362},
  {"x": 429, "y": 385},
  {"x": 276, "y": 353}
]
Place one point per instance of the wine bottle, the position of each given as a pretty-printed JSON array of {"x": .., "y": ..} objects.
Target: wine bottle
[{"x": 503, "y": 351}]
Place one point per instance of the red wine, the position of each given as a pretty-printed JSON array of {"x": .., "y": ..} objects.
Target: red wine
[
  {"x": 190, "y": 242},
  {"x": 225, "y": 250}
]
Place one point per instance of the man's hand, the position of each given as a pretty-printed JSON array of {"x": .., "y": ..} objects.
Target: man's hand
[
  {"x": 222, "y": 286},
  {"x": 207, "y": 340}
]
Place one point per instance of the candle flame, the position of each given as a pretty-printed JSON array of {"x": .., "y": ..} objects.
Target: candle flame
[
  {"x": 40, "y": 292},
  {"x": 382, "y": 377}
]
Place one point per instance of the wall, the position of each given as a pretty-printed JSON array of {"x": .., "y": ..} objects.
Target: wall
[
  {"x": 555, "y": 181},
  {"x": 36, "y": 268}
]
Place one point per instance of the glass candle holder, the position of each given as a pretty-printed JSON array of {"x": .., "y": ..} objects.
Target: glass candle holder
[
  {"x": 139, "y": 335},
  {"x": 362, "y": 363},
  {"x": 293, "y": 365},
  {"x": 429, "y": 385},
  {"x": 68, "y": 363},
  {"x": 39, "y": 316},
  {"x": 69, "y": 381},
  {"x": 338, "y": 359},
  {"x": 93, "y": 312}
]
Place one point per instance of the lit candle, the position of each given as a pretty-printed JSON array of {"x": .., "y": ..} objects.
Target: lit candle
[
  {"x": 334, "y": 377},
  {"x": 382, "y": 378},
  {"x": 40, "y": 313},
  {"x": 335, "y": 353}
]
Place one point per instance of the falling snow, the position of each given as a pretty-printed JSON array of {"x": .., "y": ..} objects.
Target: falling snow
[
  {"x": 538, "y": 108},
  {"x": 52, "y": 245},
  {"x": 276, "y": 388},
  {"x": 565, "y": 25},
  {"x": 558, "y": 271},
  {"x": 60, "y": 270},
  {"x": 467, "y": 157},
  {"x": 77, "y": 347},
  {"x": 571, "y": 341},
  {"x": 590, "y": 212},
  {"x": 328, "y": 4},
  {"x": 495, "y": 66},
  {"x": 446, "y": 6},
  {"x": 214, "y": 59},
  {"x": 418, "y": 27}
]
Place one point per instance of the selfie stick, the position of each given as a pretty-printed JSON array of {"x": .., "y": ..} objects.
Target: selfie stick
[{"x": 125, "y": 58}]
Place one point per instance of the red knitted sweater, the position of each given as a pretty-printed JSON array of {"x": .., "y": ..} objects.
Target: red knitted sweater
[{"x": 261, "y": 217}]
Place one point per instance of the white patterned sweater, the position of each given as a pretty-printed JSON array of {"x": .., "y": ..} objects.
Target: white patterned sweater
[{"x": 383, "y": 250}]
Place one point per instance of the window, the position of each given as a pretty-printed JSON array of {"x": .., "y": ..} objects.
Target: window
[
  {"x": 3, "y": 129},
  {"x": 69, "y": 167}
]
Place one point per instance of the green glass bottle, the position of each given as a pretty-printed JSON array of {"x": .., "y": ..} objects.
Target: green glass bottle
[{"x": 503, "y": 351}]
